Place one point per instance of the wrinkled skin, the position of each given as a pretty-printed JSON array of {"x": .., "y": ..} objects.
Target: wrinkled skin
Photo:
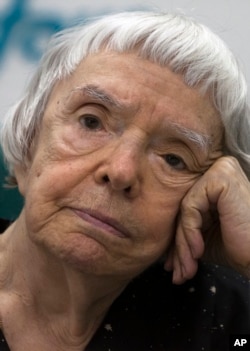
[
  {"x": 214, "y": 222},
  {"x": 126, "y": 168},
  {"x": 116, "y": 144}
]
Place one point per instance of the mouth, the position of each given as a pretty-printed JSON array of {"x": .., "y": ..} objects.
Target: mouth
[{"x": 103, "y": 222}]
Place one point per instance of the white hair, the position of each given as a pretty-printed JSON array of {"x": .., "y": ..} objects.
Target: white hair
[{"x": 171, "y": 40}]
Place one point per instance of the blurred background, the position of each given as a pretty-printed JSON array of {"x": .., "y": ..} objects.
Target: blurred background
[{"x": 26, "y": 26}]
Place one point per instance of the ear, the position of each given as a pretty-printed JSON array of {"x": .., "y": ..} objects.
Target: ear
[
  {"x": 21, "y": 170},
  {"x": 21, "y": 174}
]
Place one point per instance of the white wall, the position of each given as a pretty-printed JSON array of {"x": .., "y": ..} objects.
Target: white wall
[{"x": 25, "y": 26}]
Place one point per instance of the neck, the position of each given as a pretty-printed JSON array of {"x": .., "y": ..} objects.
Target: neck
[{"x": 67, "y": 303}]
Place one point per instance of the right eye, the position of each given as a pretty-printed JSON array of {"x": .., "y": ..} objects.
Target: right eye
[
  {"x": 91, "y": 122},
  {"x": 175, "y": 161}
]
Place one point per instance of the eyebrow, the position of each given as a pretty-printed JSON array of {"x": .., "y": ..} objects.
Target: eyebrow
[
  {"x": 201, "y": 140},
  {"x": 95, "y": 92}
]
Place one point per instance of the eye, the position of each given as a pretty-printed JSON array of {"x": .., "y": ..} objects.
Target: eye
[
  {"x": 175, "y": 161},
  {"x": 91, "y": 122}
]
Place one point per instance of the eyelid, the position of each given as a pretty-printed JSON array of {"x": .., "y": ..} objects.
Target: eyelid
[
  {"x": 92, "y": 107},
  {"x": 94, "y": 110}
]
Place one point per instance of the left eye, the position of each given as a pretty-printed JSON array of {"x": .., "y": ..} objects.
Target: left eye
[
  {"x": 91, "y": 122},
  {"x": 175, "y": 161}
]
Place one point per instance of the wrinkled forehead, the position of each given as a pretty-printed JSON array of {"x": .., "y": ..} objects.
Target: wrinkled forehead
[{"x": 126, "y": 82}]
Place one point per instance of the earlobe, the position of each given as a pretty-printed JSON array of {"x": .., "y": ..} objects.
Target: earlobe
[{"x": 21, "y": 176}]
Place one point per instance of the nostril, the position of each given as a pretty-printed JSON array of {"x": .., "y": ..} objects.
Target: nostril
[
  {"x": 105, "y": 179},
  {"x": 128, "y": 189}
]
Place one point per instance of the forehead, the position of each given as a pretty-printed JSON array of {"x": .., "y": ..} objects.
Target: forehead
[{"x": 134, "y": 84}]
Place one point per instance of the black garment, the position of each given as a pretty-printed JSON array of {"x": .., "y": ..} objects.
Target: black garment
[
  {"x": 3, "y": 344},
  {"x": 153, "y": 314}
]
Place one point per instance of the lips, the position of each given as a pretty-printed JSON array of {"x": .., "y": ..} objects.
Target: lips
[{"x": 102, "y": 222}]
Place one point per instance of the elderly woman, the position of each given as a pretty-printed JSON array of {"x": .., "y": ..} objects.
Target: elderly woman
[{"x": 130, "y": 147}]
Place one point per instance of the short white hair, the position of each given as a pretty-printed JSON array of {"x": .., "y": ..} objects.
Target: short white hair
[{"x": 176, "y": 41}]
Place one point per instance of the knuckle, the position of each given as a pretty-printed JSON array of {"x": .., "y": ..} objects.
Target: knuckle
[{"x": 226, "y": 164}]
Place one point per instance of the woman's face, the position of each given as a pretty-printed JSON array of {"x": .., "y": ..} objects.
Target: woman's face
[{"x": 121, "y": 142}]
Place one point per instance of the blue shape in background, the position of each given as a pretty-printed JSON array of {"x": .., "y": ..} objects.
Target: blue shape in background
[
  {"x": 11, "y": 202},
  {"x": 24, "y": 30}
]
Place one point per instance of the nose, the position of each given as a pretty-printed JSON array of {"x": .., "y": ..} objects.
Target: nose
[{"x": 121, "y": 168}]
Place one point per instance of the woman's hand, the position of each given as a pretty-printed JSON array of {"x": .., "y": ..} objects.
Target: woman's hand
[{"x": 214, "y": 222}]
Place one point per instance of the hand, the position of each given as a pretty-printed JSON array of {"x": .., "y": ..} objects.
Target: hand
[{"x": 214, "y": 222}]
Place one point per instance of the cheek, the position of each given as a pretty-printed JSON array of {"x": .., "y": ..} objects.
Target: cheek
[
  {"x": 46, "y": 186},
  {"x": 162, "y": 209},
  {"x": 54, "y": 180}
]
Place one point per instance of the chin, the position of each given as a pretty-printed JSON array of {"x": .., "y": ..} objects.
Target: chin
[
  {"x": 87, "y": 255},
  {"x": 80, "y": 253}
]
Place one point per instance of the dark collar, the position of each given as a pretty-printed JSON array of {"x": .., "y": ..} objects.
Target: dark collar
[{"x": 4, "y": 223}]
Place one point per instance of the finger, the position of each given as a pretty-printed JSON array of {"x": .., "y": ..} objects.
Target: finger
[
  {"x": 191, "y": 222},
  {"x": 177, "y": 270},
  {"x": 190, "y": 230},
  {"x": 184, "y": 263},
  {"x": 181, "y": 274}
]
